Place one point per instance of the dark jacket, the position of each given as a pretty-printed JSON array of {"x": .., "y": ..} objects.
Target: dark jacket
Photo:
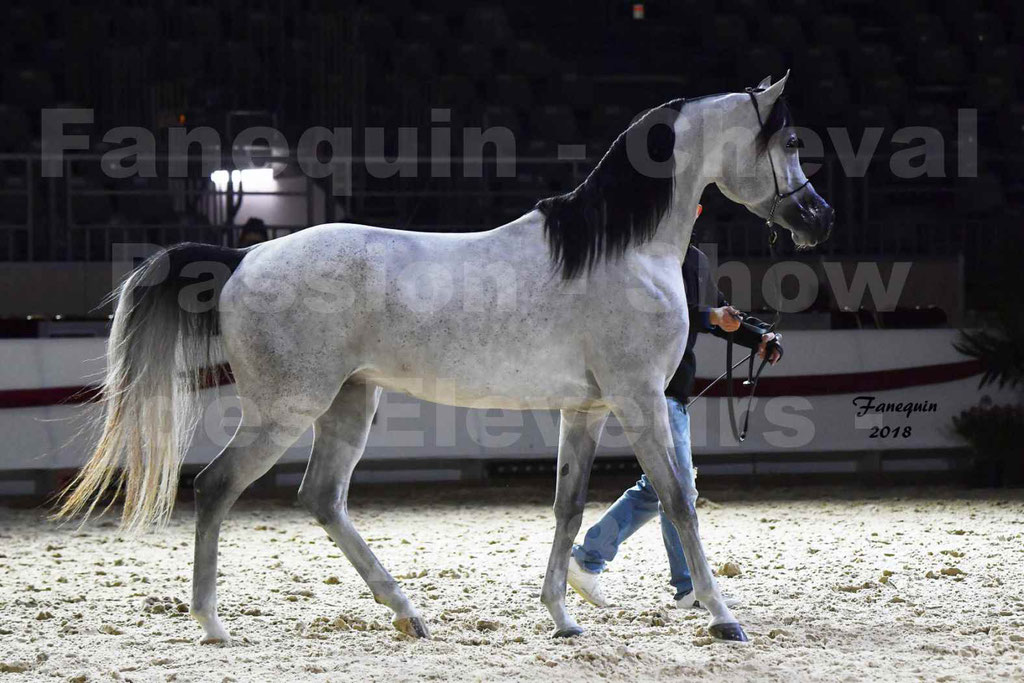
[{"x": 701, "y": 296}]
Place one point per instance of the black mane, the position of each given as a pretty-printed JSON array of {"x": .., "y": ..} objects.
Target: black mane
[{"x": 617, "y": 205}]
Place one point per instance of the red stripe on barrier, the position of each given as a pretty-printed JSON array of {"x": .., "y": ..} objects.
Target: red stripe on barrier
[
  {"x": 49, "y": 396},
  {"x": 846, "y": 383},
  {"x": 797, "y": 385},
  {"x": 52, "y": 396}
]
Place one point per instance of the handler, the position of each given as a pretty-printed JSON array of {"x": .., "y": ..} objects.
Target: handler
[{"x": 639, "y": 505}]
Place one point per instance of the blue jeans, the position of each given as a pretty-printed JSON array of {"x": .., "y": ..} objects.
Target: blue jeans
[{"x": 639, "y": 505}]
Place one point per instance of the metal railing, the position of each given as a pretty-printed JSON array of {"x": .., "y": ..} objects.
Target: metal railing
[
  {"x": 159, "y": 210},
  {"x": 79, "y": 216},
  {"x": 17, "y": 201}
]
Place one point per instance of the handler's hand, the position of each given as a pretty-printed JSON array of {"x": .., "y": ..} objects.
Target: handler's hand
[
  {"x": 726, "y": 317},
  {"x": 765, "y": 338}
]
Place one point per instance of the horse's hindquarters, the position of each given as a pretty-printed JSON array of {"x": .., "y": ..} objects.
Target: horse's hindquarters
[{"x": 468, "y": 320}]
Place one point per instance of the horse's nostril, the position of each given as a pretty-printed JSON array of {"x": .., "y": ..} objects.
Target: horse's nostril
[{"x": 830, "y": 221}]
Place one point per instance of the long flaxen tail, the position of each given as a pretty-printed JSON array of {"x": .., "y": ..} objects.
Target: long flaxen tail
[{"x": 162, "y": 344}]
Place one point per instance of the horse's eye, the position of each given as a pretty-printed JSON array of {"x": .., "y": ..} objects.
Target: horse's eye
[{"x": 795, "y": 143}]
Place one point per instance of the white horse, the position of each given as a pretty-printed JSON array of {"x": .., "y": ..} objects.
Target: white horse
[{"x": 577, "y": 305}]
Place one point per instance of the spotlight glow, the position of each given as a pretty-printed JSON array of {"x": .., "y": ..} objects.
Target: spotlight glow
[{"x": 249, "y": 179}]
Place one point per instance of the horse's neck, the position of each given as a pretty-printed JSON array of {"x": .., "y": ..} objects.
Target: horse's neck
[
  {"x": 676, "y": 225},
  {"x": 682, "y": 214},
  {"x": 692, "y": 174}
]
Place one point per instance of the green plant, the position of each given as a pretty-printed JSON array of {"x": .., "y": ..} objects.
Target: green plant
[
  {"x": 999, "y": 345},
  {"x": 999, "y": 348},
  {"x": 993, "y": 431}
]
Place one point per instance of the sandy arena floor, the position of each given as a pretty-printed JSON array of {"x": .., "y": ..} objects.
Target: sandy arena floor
[{"x": 898, "y": 587}]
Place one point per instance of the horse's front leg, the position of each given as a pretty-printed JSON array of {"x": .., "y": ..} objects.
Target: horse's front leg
[
  {"x": 577, "y": 445},
  {"x": 646, "y": 423}
]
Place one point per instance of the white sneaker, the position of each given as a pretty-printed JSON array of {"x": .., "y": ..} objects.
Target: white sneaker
[
  {"x": 585, "y": 583},
  {"x": 690, "y": 601}
]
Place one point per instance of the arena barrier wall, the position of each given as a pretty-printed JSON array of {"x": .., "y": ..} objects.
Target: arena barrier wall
[{"x": 836, "y": 392}]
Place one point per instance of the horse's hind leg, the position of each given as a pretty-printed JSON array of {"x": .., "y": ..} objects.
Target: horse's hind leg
[
  {"x": 646, "y": 424},
  {"x": 341, "y": 435},
  {"x": 266, "y": 432},
  {"x": 576, "y": 448}
]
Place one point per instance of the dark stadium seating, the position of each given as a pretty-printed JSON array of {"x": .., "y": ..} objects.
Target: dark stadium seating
[
  {"x": 15, "y": 129},
  {"x": 211, "y": 54},
  {"x": 572, "y": 72}
]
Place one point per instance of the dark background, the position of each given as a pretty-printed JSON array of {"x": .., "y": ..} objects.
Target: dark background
[{"x": 555, "y": 73}]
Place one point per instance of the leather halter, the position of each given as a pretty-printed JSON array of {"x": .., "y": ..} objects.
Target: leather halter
[{"x": 779, "y": 195}]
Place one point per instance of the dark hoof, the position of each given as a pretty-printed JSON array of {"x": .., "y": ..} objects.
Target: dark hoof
[
  {"x": 226, "y": 642},
  {"x": 412, "y": 626},
  {"x": 730, "y": 632},
  {"x": 570, "y": 632}
]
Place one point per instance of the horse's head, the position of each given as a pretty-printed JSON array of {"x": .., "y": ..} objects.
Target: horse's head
[{"x": 766, "y": 176}]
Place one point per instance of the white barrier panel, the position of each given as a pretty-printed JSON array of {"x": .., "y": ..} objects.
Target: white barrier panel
[{"x": 848, "y": 390}]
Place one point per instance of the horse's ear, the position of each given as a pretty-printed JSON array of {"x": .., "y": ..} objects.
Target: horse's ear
[
  {"x": 764, "y": 83},
  {"x": 766, "y": 98}
]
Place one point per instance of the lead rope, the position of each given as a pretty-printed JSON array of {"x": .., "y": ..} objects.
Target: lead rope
[{"x": 752, "y": 377}]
